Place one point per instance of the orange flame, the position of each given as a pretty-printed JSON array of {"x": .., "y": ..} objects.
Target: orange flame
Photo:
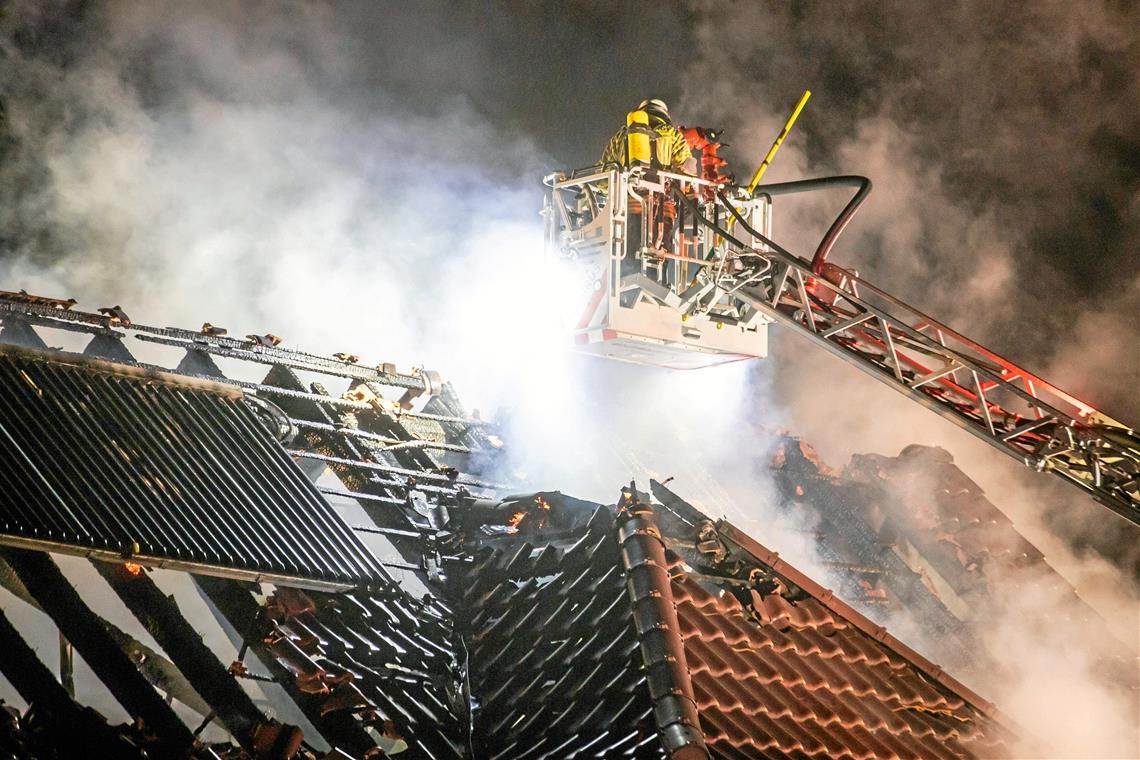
[{"x": 132, "y": 568}]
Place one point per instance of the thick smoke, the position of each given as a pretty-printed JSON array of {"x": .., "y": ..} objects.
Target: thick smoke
[
  {"x": 271, "y": 171},
  {"x": 364, "y": 177},
  {"x": 1003, "y": 146},
  {"x": 1002, "y": 142},
  {"x": 205, "y": 167}
]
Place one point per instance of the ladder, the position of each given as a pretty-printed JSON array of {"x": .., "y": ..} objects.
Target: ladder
[{"x": 1005, "y": 405}]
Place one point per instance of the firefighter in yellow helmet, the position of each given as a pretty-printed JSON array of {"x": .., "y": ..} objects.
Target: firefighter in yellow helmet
[
  {"x": 670, "y": 150},
  {"x": 666, "y": 149}
]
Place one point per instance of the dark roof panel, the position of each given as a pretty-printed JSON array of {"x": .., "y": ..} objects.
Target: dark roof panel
[
  {"x": 554, "y": 657},
  {"x": 120, "y": 462}
]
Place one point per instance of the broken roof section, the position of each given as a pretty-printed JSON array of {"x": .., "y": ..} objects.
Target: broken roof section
[
  {"x": 400, "y": 445},
  {"x": 403, "y": 450},
  {"x": 913, "y": 536},
  {"x": 716, "y": 649}
]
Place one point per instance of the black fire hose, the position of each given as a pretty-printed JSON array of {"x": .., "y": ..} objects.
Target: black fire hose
[
  {"x": 863, "y": 186},
  {"x": 698, "y": 216},
  {"x": 784, "y": 188}
]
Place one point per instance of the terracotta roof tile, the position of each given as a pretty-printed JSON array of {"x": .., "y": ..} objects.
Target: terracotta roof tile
[
  {"x": 833, "y": 694},
  {"x": 799, "y": 673}
]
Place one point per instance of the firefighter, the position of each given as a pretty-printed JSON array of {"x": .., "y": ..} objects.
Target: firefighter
[
  {"x": 653, "y": 140},
  {"x": 669, "y": 149},
  {"x": 707, "y": 142}
]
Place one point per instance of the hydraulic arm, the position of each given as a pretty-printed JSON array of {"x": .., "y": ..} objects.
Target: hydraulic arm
[{"x": 1003, "y": 404}]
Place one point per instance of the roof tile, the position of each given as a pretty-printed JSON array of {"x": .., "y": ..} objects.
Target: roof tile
[{"x": 799, "y": 674}]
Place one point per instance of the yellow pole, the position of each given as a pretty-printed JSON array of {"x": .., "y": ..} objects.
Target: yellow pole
[{"x": 779, "y": 141}]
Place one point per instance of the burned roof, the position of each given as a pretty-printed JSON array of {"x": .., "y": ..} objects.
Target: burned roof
[
  {"x": 913, "y": 535},
  {"x": 720, "y": 649},
  {"x": 532, "y": 625},
  {"x": 403, "y": 450},
  {"x": 103, "y": 460}
]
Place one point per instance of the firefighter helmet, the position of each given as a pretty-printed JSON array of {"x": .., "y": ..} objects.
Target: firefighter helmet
[{"x": 656, "y": 106}]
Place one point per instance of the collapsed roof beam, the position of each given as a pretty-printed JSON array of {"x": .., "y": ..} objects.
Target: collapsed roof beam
[
  {"x": 154, "y": 666},
  {"x": 82, "y": 732},
  {"x": 75, "y": 620},
  {"x": 243, "y": 612},
  {"x": 160, "y": 615}
]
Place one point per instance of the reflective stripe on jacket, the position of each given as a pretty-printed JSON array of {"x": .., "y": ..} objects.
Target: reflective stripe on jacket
[{"x": 670, "y": 148}]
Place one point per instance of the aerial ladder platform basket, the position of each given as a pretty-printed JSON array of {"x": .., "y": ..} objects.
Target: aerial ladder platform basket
[{"x": 645, "y": 267}]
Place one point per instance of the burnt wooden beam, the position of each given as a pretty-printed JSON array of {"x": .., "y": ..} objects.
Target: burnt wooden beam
[
  {"x": 340, "y": 729},
  {"x": 75, "y": 620},
  {"x": 155, "y": 667},
  {"x": 83, "y": 732},
  {"x": 354, "y": 478},
  {"x": 161, "y": 617}
]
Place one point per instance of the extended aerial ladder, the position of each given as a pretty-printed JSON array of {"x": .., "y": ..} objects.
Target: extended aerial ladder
[{"x": 707, "y": 295}]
